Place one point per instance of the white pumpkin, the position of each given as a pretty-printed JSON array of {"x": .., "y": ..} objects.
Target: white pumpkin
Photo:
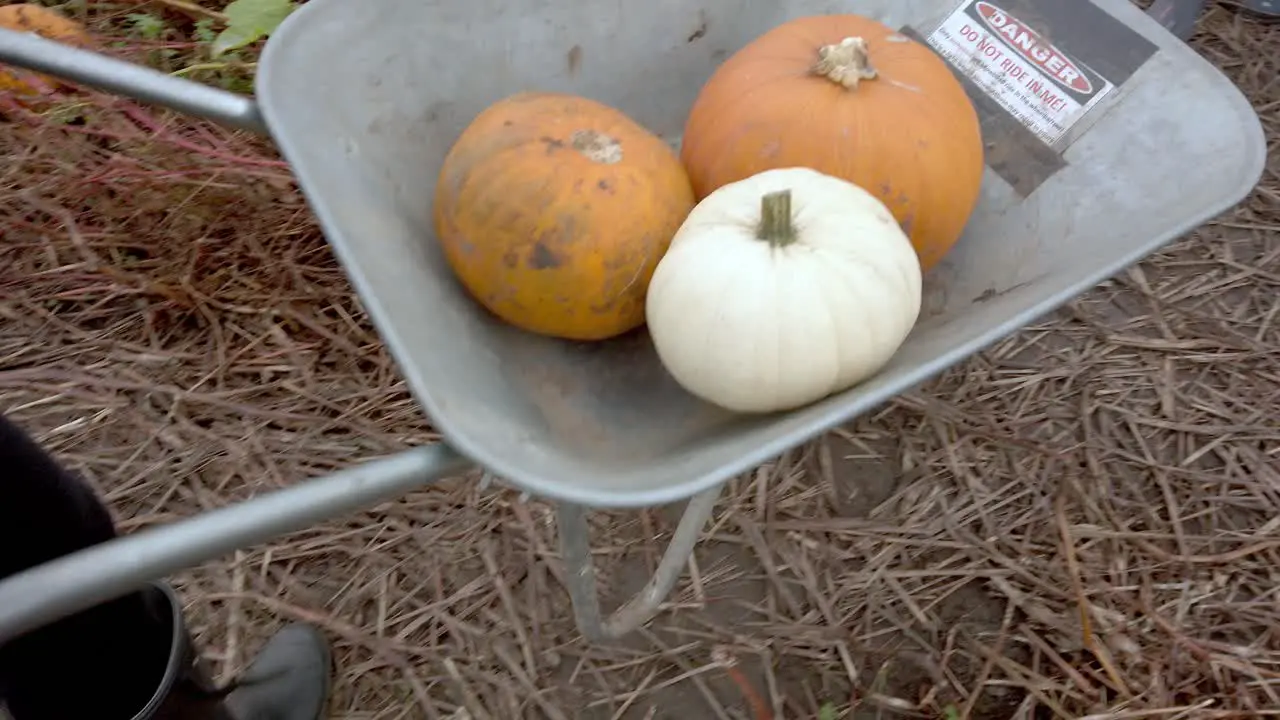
[{"x": 781, "y": 289}]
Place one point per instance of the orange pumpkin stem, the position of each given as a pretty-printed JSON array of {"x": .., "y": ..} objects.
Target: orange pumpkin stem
[
  {"x": 776, "y": 227},
  {"x": 846, "y": 64}
]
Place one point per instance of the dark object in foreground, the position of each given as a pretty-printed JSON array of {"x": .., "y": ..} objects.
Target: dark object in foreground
[
  {"x": 131, "y": 657},
  {"x": 1179, "y": 16}
]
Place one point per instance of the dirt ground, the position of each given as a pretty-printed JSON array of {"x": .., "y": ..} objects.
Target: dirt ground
[{"x": 1082, "y": 521}]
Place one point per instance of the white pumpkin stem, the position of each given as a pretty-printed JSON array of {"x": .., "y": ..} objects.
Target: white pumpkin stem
[
  {"x": 846, "y": 63},
  {"x": 776, "y": 227}
]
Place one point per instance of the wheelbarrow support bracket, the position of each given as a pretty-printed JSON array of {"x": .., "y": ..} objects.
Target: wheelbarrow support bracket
[{"x": 580, "y": 574}]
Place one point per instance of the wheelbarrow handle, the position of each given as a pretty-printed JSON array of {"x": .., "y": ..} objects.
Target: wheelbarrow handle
[
  {"x": 72, "y": 583},
  {"x": 85, "y": 67}
]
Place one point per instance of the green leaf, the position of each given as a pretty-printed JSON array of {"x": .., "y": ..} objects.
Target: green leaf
[
  {"x": 204, "y": 30},
  {"x": 148, "y": 26},
  {"x": 250, "y": 20},
  {"x": 827, "y": 712}
]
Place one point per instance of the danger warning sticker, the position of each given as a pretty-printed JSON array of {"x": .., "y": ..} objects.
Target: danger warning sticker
[
  {"x": 1033, "y": 70},
  {"x": 1047, "y": 89}
]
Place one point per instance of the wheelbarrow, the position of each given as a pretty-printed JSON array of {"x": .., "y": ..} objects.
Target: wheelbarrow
[{"x": 364, "y": 98}]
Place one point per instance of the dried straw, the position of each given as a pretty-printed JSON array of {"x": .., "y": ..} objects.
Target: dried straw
[{"x": 1084, "y": 521}]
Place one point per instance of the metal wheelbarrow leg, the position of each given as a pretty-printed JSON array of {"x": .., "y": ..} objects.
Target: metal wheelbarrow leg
[
  {"x": 575, "y": 539},
  {"x": 76, "y": 582}
]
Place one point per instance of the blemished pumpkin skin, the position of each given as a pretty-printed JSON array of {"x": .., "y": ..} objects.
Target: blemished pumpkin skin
[
  {"x": 553, "y": 211},
  {"x": 905, "y": 132}
]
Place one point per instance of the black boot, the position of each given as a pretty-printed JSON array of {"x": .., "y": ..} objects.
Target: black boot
[
  {"x": 289, "y": 680},
  {"x": 131, "y": 652}
]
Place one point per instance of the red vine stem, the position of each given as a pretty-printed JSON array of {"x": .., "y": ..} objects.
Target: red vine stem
[
  {"x": 136, "y": 114},
  {"x": 759, "y": 708}
]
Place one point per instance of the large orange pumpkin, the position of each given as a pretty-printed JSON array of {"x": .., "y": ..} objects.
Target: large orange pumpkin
[
  {"x": 849, "y": 97},
  {"x": 553, "y": 211}
]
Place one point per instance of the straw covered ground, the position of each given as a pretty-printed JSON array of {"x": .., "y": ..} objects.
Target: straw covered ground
[{"x": 1082, "y": 521}]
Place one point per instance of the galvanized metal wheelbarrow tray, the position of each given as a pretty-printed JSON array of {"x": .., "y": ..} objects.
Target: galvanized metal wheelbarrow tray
[{"x": 364, "y": 99}]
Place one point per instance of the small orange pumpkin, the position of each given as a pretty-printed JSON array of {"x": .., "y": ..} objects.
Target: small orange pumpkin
[
  {"x": 849, "y": 97},
  {"x": 554, "y": 210},
  {"x": 47, "y": 23}
]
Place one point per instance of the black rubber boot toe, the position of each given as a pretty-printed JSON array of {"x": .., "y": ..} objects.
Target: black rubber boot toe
[{"x": 289, "y": 680}]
